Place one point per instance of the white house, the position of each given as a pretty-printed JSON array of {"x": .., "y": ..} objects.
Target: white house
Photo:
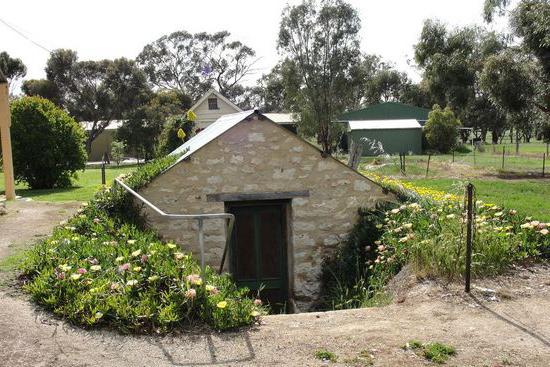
[{"x": 210, "y": 107}]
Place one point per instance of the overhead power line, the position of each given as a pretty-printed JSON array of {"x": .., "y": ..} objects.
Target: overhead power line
[{"x": 24, "y": 36}]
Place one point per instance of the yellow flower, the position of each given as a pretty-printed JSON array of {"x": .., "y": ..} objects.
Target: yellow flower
[
  {"x": 191, "y": 116},
  {"x": 95, "y": 267},
  {"x": 181, "y": 134},
  {"x": 178, "y": 255},
  {"x": 153, "y": 278},
  {"x": 171, "y": 245},
  {"x": 222, "y": 304},
  {"x": 75, "y": 276},
  {"x": 132, "y": 282},
  {"x": 131, "y": 242},
  {"x": 136, "y": 253},
  {"x": 119, "y": 259},
  {"x": 137, "y": 269},
  {"x": 254, "y": 313}
]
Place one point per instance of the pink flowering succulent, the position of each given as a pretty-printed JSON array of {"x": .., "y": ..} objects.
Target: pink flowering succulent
[
  {"x": 144, "y": 259},
  {"x": 81, "y": 271},
  {"x": 124, "y": 267},
  {"x": 258, "y": 302},
  {"x": 61, "y": 276},
  {"x": 190, "y": 293}
]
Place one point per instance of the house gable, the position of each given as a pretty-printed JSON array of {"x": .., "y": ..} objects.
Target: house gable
[{"x": 211, "y": 106}]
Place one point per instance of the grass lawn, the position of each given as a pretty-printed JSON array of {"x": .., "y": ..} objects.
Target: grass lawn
[
  {"x": 82, "y": 190},
  {"x": 529, "y": 197}
]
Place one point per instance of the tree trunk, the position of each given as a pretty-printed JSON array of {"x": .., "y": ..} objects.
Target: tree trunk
[
  {"x": 355, "y": 151},
  {"x": 517, "y": 141}
]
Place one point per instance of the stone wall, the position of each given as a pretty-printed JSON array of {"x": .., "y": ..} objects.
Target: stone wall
[{"x": 259, "y": 156}]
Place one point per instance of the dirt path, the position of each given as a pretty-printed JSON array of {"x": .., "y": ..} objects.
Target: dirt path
[{"x": 514, "y": 331}]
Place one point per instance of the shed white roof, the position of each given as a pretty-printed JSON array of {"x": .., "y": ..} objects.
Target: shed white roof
[
  {"x": 113, "y": 125},
  {"x": 383, "y": 124},
  {"x": 281, "y": 118},
  {"x": 211, "y": 132}
]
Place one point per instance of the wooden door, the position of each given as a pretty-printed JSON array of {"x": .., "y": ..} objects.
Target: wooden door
[{"x": 259, "y": 250}]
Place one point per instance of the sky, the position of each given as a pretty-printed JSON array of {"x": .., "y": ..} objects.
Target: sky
[{"x": 102, "y": 29}]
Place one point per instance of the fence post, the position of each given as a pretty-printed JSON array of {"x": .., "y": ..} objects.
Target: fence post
[
  {"x": 453, "y": 156},
  {"x": 404, "y": 164},
  {"x": 503, "y": 152},
  {"x": 103, "y": 182},
  {"x": 428, "y": 166},
  {"x": 543, "y": 163},
  {"x": 474, "y": 155},
  {"x": 469, "y": 233}
]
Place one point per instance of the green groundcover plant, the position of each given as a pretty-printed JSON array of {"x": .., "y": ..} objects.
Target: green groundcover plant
[
  {"x": 430, "y": 236},
  {"x": 101, "y": 268}
]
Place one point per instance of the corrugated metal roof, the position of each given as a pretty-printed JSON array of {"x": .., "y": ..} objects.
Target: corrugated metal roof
[
  {"x": 113, "y": 125},
  {"x": 383, "y": 124},
  {"x": 214, "y": 130},
  {"x": 389, "y": 111},
  {"x": 281, "y": 118}
]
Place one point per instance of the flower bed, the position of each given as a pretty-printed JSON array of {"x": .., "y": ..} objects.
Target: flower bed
[
  {"x": 101, "y": 268},
  {"x": 428, "y": 231}
]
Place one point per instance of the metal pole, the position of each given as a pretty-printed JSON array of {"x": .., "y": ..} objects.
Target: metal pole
[
  {"x": 470, "y": 215},
  {"x": 201, "y": 242},
  {"x": 428, "y": 166}
]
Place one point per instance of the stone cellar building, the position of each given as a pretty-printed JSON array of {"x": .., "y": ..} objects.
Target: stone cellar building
[{"x": 292, "y": 204}]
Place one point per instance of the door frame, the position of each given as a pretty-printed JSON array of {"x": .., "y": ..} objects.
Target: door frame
[{"x": 286, "y": 228}]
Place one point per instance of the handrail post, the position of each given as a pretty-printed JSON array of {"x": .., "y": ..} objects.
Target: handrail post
[{"x": 201, "y": 243}]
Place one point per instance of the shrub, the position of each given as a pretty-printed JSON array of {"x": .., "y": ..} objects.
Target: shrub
[
  {"x": 48, "y": 145},
  {"x": 442, "y": 129},
  {"x": 100, "y": 268},
  {"x": 169, "y": 140},
  {"x": 325, "y": 355},
  {"x": 435, "y": 352},
  {"x": 117, "y": 151}
]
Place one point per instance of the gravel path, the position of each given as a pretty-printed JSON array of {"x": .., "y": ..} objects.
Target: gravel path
[{"x": 513, "y": 331}]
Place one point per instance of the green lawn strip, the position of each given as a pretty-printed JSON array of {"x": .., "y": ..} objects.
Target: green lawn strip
[
  {"x": 325, "y": 355},
  {"x": 83, "y": 189},
  {"x": 528, "y": 197}
]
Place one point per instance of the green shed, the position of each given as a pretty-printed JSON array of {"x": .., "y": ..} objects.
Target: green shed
[
  {"x": 388, "y": 111},
  {"x": 386, "y": 136},
  {"x": 397, "y": 127}
]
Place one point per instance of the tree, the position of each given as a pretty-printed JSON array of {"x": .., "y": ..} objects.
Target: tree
[
  {"x": 193, "y": 63},
  {"x": 48, "y": 144},
  {"x": 387, "y": 85},
  {"x": 94, "y": 91},
  {"x": 169, "y": 140},
  {"x": 321, "y": 40},
  {"x": 117, "y": 151},
  {"x": 13, "y": 69},
  {"x": 442, "y": 129},
  {"x": 140, "y": 132},
  {"x": 530, "y": 21},
  {"x": 42, "y": 88}
]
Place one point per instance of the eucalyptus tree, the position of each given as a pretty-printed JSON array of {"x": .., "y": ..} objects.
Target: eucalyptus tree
[
  {"x": 13, "y": 69},
  {"x": 321, "y": 40},
  {"x": 193, "y": 63}
]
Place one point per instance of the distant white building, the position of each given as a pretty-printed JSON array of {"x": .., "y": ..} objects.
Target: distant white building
[{"x": 210, "y": 107}]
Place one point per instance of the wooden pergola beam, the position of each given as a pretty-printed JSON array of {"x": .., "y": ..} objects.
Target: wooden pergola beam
[{"x": 5, "y": 124}]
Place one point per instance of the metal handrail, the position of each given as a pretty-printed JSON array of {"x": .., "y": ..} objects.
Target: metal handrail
[{"x": 199, "y": 217}]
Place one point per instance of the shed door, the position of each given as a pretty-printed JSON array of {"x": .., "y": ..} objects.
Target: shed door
[{"x": 258, "y": 249}]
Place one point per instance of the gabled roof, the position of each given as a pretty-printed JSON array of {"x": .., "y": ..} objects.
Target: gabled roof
[
  {"x": 213, "y": 130},
  {"x": 217, "y": 94},
  {"x": 383, "y": 124},
  {"x": 281, "y": 118},
  {"x": 387, "y": 111}
]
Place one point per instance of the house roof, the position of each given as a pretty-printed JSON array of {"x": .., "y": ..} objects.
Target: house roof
[
  {"x": 211, "y": 132},
  {"x": 388, "y": 111},
  {"x": 383, "y": 124},
  {"x": 217, "y": 94},
  {"x": 281, "y": 118},
  {"x": 113, "y": 125}
]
